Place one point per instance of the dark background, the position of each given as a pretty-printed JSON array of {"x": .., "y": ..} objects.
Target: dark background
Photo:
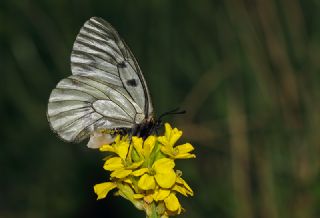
[{"x": 246, "y": 71}]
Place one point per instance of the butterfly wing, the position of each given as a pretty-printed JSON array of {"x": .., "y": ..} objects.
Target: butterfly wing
[{"x": 107, "y": 89}]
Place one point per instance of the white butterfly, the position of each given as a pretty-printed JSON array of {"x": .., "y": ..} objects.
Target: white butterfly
[{"x": 106, "y": 91}]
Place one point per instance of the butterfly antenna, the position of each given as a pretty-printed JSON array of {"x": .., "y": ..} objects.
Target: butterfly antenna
[{"x": 171, "y": 112}]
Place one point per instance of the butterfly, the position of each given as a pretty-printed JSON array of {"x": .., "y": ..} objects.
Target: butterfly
[{"x": 106, "y": 93}]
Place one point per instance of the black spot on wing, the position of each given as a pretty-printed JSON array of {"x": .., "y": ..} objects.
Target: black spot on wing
[
  {"x": 122, "y": 65},
  {"x": 132, "y": 82}
]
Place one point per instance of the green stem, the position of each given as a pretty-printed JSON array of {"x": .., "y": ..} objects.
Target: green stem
[{"x": 154, "y": 213}]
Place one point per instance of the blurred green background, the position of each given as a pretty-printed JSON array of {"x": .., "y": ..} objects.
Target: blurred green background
[{"x": 246, "y": 71}]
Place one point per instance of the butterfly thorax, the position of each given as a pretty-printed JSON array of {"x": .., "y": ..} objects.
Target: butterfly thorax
[{"x": 145, "y": 128}]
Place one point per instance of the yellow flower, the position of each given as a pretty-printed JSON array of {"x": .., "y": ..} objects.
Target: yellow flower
[
  {"x": 161, "y": 173},
  {"x": 121, "y": 166},
  {"x": 144, "y": 148},
  {"x": 169, "y": 139},
  {"x": 142, "y": 171}
]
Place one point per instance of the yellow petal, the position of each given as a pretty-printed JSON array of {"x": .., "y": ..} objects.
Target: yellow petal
[
  {"x": 117, "y": 139},
  {"x": 106, "y": 148},
  {"x": 167, "y": 150},
  {"x": 163, "y": 165},
  {"x": 137, "y": 144},
  {"x": 161, "y": 194},
  {"x": 129, "y": 181},
  {"x": 185, "y": 148},
  {"x": 175, "y": 135},
  {"x": 122, "y": 149},
  {"x": 172, "y": 203},
  {"x": 180, "y": 189},
  {"x": 120, "y": 173},
  {"x": 168, "y": 130},
  {"x": 166, "y": 180},
  {"x": 185, "y": 156},
  {"x": 163, "y": 140},
  {"x": 113, "y": 164},
  {"x": 185, "y": 184},
  {"x": 148, "y": 145},
  {"x": 102, "y": 189},
  {"x": 140, "y": 172},
  {"x": 180, "y": 180},
  {"x": 146, "y": 182}
]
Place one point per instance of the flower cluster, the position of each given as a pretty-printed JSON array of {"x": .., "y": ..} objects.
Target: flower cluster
[{"x": 143, "y": 172}]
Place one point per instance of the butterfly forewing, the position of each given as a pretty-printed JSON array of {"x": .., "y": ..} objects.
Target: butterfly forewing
[{"x": 107, "y": 89}]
